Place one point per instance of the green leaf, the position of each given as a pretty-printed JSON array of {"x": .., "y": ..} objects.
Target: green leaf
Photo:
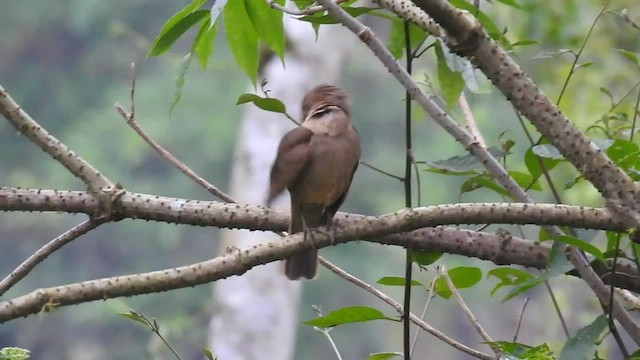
[
  {"x": 462, "y": 277},
  {"x": 547, "y": 151},
  {"x": 629, "y": 55},
  {"x": 396, "y": 281},
  {"x": 551, "y": 54},
  {"x": 425, "y": 258},
  {"x": 518, "y": 351},
  {"x": 508, "y": 276},
  {"x": 451, "y": 83},
  {"x": 582, "y": 245},
  {"x": 525, "y": 180},
  {"x": 482, "y": 181},
  {"x": 621, "y": 149},
  {"x": 525, "y": 42},
  {"x": 556, "y": 265},
  {"x": 533, "y": 164},
  {"x": 14, "y": 353},
  {"x": 242, "y": 38},
  {"x": 172, "y": 31},
  {"x": 384, "y": 356},
  {"x": 464, "y": 163},
  {"x": 328, "y": 19},
  {"x": 486, "y": 22},
  {"x": 268, "y": 24},
  {"x": 396, "y": 43},
  {"x": 207, "y": 353},
  {"x": 511, "y": 3},
  {"x": 179, "y": 83},
  {"x": 347, "y": 315},
  {"x": 203, "y": 44},
  {"x": 268, "y": 104},
  {"x": 584, "y": 343}
]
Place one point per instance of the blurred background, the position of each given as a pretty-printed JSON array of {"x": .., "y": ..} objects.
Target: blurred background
[{"x": 66, "y": 62}]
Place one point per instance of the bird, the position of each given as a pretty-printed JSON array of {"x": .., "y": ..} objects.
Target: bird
[{"x": 316, "y": 162}]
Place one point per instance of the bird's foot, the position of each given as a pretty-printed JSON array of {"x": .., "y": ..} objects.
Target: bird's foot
[{"x": 307, "y": 234}]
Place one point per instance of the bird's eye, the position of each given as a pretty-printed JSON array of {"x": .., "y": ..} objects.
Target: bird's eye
[{"x": 321, "y": 112}]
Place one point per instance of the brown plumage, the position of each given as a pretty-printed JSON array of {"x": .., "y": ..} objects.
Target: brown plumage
[{"x": 316, "y": 162}]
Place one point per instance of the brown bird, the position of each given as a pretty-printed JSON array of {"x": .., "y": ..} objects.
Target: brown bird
[{"x": 316, "y": 162}]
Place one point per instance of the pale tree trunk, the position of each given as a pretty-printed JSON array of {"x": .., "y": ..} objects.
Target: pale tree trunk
[{"x": 255, "y": 315}]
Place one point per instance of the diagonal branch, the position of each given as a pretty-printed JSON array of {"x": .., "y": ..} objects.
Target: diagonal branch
[
  {"x": 52, "y": 146},
  {"x": 41, "y": 254},
  {"x": 467, "y": 39}
]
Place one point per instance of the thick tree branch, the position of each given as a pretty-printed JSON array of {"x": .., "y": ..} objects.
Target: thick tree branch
[
  {"x": 466, "y": 38},
  {"x": 237, "y": 262},
  {"x": 252, "y": 217}
]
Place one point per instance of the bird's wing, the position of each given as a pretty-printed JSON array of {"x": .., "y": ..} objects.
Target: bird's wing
[
  {"x": 332, "y": 209},
  {"x": 293, "y": 155}
]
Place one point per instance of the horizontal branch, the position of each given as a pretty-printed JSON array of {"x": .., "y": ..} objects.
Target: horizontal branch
[
  {"x": 252, "y": 217},
  {"x": 236, "y": 262}
]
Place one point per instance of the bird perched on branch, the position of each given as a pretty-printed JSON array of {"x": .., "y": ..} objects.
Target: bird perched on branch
[{"x": 316, "y": 162}]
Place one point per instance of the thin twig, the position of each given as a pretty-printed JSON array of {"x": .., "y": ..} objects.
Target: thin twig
[
  {"x": 36, "y": 258},
  {"x": 309, "y": 10},
  {"x": 326, "y": 333},
  {"x": 424, "y": 313},
  {"x": 524, "y": 307},
  {"x": 129, "y": 118},
  {"x": 398, "y": 307},
  {"x": 472, "y": 318},
  {"x": 381, "y": 171}
]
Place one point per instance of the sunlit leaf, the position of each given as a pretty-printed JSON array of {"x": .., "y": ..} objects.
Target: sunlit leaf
[
  {"x": 396, "y": 43},
  {"x": 241, "y": 37},
  {"x": 533, "y": 163},
  {"x": 482, "y": 181},
  {"x": 396, "y": 281},
  {"x": 525, "y": 42},
  {"x": 268, "y": 24},
  {"x": 204, "y": 41},
  {"x": 170, "y": 27},
  {"x": 347, "y": 315},
  {"x": 165, "y": 40},
  {"x": 551, "y": 54},
  {"x": 547, "y": 151},
  {"x": 425, "y": 258},
  {"x": 486, "y": 22},
  {"x": 508, "y": 276},
  {"x": 525, "y": 180},
  {"x": 582, "y": 245},
  {"x": 268, "y": 104},
  {"x": 518, "y": 351},
  {"x": 384, "y": 356},
  {"x": 583, "y": 344},
  {"x": 629, "y": 55},
  {"x": 451, "y": 83},
  {"x": 206, "y": 352},
  {"x": 462, "y": 277},
  {"x": 328, "y": 19}
]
